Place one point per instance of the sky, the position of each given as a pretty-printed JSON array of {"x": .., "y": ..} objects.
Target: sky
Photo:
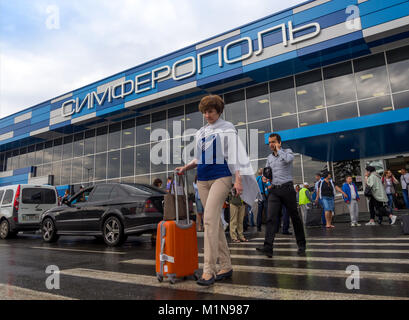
[{"x": 48, "y": 48}]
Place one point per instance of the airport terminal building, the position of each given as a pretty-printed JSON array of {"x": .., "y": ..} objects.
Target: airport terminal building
[{"x": 330, "y": 76}]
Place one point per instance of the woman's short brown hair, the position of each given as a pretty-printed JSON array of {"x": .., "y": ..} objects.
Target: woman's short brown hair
[{"x": 211, "y": 101}]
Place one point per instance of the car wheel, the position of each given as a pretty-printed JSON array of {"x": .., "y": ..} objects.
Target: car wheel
[
  {"x": 113, "y": 232},
  {"x": 5, "y": 230},
  {"x": 48, "y": 230}
]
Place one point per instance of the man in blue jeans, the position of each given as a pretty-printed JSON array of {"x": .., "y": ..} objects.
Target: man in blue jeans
[
  {"x": 262, "y": 204},
  {"x": 404, "y": 180},
  {"x": 318, "y": 178}
]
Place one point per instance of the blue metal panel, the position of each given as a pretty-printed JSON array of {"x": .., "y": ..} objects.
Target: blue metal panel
[
  {"x": 105, "y": 111},
  {"x": 386, "y": 15},
  {"x": 390, "y": 39},
  {"x": 39, "y": 125},
  {"x": 60, "y": 125},
  {"x": 377, "y": 5},
  {"x": 362, "y": 122},
  {"x": 335, "y": 42},
  {"x": 271, "y": 20},
  {"x": 40, "y": 118},
  {"x": 321, "y": 10},
  {"x": 219, "y": 76},
  {"x": 21, "y": 171}
]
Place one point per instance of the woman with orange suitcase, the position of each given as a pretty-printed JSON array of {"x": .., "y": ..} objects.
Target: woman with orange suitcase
[{"x": 216, "y": 164}]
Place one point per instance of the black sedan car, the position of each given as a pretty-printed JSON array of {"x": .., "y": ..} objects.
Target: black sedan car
[{"x": 111, "y": 211}]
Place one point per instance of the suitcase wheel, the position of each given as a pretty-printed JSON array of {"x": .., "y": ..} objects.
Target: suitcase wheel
[
  {"x": 172, "y": 280},
  {"x": 160, "y": 278},
  {"x": 196, "y": 276}
]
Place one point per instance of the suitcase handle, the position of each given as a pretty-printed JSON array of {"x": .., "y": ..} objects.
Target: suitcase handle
[{"x": 175, "y": 176}]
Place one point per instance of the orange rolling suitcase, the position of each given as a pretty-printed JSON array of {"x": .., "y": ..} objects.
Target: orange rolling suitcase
[{"x": 176, "y": 245}]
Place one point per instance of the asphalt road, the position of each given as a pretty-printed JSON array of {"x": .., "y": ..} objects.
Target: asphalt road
[{"x": 91, "y": 270}]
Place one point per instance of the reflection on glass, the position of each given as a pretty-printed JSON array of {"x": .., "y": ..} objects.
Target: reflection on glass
[
  {"x": 282, "y": 97},
  {"x": 146, "y": 179},
  {"x": 15, "y": 161},
  {"x": 76, "y": 174},
  {"x": 312, "y": 117},
  {"x": 309, "y": 91},
  {"x": 370, "y": 75},
  {"x": 89, "y": 142},
  {"x": 143, "y": 129},
  {"x": 235, "y": 109},
  {"x": 114, "y": 161},
  {"x": 39, "y": 154},
  {"x": 297, "y": 173},
  {"x": 128, "y": 133},
  {"x": 23, "y": 158},
  {"x": 57, "y": 172},
  {"x": 114, "y": 137},
  {"x": 66, "y": 172},
  {"x": 48, "y": 153},
  {"x": 127, "y": 162},
  {"x": 193, "y": 118},
  {"x": 142, "y": 154},
  {"x": 101, "y": 166},
  {"x": 159, "y": 122},
  {"x": 258, "y": 106},
  {"x": 311, "y": 168},
  {"x": 285, "y": 123},
  {"x": 261, "y": 127},
  {"x": 160, "y": 153},
  {"x": 78, "y": 146},
  {"x": 338, "y": 83},
  {"x": 88, "y": 169},
  {"x": 375, "y": 105},
  {"x": 401, "y": 100},
  {"x": 343, "y": 111},
  {"x": 398, "y": 64},
  {"x": 67, "y": 148},
  {"x": 57, "y": 150},
  {"x": 176, "y": 152},
  {"x": 102, "y": 139},
  {"x": 177, "y": 115}
]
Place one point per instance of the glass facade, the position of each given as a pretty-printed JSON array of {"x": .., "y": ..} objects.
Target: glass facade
[{"x": 120, "y": 151}]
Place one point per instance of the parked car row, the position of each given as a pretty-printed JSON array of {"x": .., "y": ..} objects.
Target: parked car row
[{"x": 111, "y": 211}]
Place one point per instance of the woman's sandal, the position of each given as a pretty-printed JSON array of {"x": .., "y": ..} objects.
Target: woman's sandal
[
  {"x": 236, "y": 241},
  {"x": 244, "y": 240}
]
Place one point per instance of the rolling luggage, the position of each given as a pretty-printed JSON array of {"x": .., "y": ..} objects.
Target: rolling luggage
[
  {"x": 405, "y": 223},
  {"x": 314, "y": 216},
  {"x": 176, "y": 245}
]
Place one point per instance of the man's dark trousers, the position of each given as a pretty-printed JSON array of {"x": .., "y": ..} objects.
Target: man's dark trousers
[
  {"x": 277, "y": 197},
  {"x": 262, "y": 204}
]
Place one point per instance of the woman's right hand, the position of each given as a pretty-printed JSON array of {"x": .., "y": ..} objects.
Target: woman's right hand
[{"x": 180, "y": 170}]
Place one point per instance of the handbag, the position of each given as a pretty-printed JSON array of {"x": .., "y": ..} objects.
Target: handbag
[
  {"x": 368, "y": 192},
  {"x": 169, "y": 207},
  {"x": 268, "y": 173}
]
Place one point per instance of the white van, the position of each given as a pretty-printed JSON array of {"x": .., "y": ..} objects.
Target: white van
[{"x": 21, "y": 206}]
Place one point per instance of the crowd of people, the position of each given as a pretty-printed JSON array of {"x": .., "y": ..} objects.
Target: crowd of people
[{"x": 270, "y": 198}]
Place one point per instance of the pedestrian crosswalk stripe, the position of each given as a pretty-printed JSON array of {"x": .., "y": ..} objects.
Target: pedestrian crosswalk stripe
[
  {"x": 326, "y": 259},
  {"x": 244, "y": 291},
  {"x": 383, "y": 244},
  {"x": 298, "y": 271},
  {"x": 344, "y": 239},
  {"x": 331, "y": 250},
  {"x": 10, "y": 292},
  {"x": 79, "y": 250}
]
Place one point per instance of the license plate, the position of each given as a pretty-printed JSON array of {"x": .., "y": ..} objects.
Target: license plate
[{"x": 30, "y": 217}]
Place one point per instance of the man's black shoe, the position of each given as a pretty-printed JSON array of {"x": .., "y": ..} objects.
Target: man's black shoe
[
  {"x": 288, "y": 233},
  {"x": 267, "y": 252},
  {"x": 258, "y": 229},
  {"x": 301, "y": 251}
]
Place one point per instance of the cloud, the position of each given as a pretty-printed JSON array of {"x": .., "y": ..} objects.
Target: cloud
[{"x": 97, "y": 39}]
